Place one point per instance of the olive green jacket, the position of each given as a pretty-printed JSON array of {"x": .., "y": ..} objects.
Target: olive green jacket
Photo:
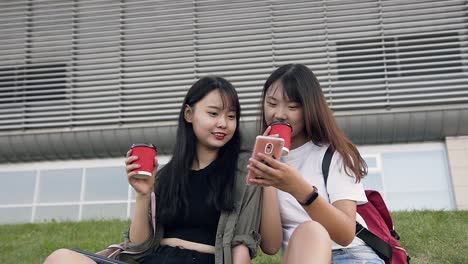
[{"x": 240, "y": 226}]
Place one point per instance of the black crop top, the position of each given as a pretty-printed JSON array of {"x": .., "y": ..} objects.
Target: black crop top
[{"x": 201, "y": 224}]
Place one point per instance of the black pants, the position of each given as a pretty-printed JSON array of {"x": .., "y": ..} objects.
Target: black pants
[{"x": 175, "y": 255}]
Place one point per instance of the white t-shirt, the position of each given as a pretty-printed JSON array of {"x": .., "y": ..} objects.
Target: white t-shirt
[{"x": 340, "y": 186}]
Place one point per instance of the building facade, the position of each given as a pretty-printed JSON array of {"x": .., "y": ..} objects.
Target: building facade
[{"x": 82, "y": 80}]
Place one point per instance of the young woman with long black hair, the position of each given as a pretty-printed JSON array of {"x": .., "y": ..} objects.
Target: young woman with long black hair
[{"x": 205, "y": 211}]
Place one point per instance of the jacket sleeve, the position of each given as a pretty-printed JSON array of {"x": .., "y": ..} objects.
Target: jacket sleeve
[
  {"x": 133, "y": 252},
  {"x": 248, "y": 222},
  {"x": 247, "y": 228},
  {"x": 137, "y": 250},
  {"x": 138, "y": 247}
]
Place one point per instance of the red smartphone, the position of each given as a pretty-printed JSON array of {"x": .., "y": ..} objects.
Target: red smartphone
[{"x": 270, "y": 146}]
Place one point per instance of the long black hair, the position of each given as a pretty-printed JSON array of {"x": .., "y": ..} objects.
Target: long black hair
[{"x": 172, "y": 180}]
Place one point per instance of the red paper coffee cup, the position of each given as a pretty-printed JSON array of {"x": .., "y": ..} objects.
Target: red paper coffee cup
[
  {"x": 283, "y": 130},
  {"x": 146, "y": 154}
]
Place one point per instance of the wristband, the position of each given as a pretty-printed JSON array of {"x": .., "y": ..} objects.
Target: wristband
[{"x": 311, "y": 198}]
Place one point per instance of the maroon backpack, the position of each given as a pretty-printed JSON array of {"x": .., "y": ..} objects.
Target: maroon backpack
[{"x": 380, "y": 234}]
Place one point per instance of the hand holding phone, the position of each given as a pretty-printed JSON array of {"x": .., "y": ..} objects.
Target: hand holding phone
[{"x": 270, "y": 146}]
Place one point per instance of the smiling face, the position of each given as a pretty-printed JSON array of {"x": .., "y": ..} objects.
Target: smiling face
[
  {"x": 213, "y": 120},
  {"x": 278, "y": 107}
]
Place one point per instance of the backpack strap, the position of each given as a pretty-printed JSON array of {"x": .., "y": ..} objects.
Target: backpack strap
[
  {"x": 382, "y": 248},
  {"x": 326, "y": 162},
  {"x": 153, "y": 212}
]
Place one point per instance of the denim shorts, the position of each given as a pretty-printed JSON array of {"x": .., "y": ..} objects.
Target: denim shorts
[{"x": 356, "y": 255}]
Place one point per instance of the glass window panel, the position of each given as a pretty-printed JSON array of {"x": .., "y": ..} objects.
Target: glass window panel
[
  {"x": 371, "y": 162},
  {"x": 17, "y": 187},
  {"x": 104, "y": 211},
  {"x": 409, "y": 171},
  {"x": 373, "y": 181},
  {"x": 60, "y": 186},
  {"x": 435, "y": 200},
  {"x": 15, "y": 215},
  {"x": 106, "y": 183},
  {"x": 411, "y": 184},
  {"x": 59, "y": 213}
]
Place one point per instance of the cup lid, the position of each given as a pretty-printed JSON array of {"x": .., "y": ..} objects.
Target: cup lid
[
  {"x": 148, "y": 145},
  {"x": 280, "y": 122}
]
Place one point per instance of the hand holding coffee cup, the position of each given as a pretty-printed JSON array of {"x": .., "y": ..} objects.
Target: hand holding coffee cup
[
  {"x": 283, "y": 130},
  {"x": 146, "y": 154}
]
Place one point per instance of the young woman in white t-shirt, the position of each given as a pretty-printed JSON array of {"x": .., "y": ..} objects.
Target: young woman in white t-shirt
[{"x": 313, "y": 223}]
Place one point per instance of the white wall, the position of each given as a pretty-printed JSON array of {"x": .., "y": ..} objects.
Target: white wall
[{"x": 457, "y": 149}]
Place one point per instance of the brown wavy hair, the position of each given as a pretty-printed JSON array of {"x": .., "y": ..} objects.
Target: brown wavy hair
[{"x": 302, "y": 86}]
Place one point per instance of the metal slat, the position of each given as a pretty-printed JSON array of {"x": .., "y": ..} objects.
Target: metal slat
[
  {"x": 401, "y": 80},
  {"x": 116, "y": 75}
]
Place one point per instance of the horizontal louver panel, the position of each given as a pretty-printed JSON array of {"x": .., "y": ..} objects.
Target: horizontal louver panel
[
  {"x": 235, "y": 40},
  {"x": 72, "y": 64}
]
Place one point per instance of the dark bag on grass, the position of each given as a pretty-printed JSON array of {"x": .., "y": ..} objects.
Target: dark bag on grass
[{"x": 380, "y": 233}]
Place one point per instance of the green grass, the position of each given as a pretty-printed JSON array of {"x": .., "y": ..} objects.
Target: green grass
[
  {"x": 434, "y": 237},
  {"x": 429, "y": 236}
]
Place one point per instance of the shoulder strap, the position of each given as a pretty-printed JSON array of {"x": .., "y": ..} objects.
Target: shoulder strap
[
  {"x": 326, "y": 162},
  {"x": 153, "y": 212},
  {"x": 383, "y": 249}
]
